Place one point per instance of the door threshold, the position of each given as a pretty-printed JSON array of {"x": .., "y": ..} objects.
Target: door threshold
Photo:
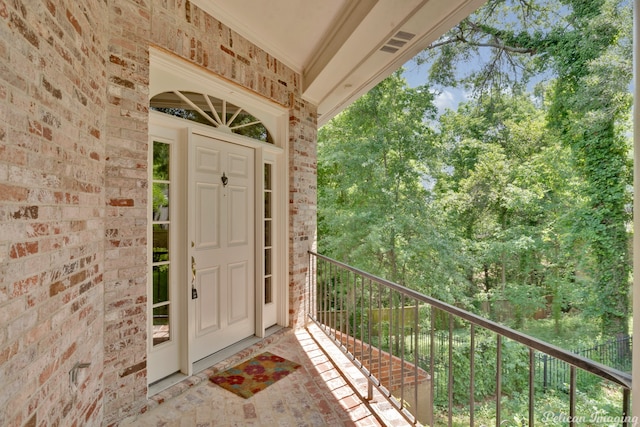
[
  {"x": 232, "y": 350},
  {"x": 165, "y": 383}
]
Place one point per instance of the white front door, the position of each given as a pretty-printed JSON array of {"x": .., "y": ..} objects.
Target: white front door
[{"x": 221, "y": 240}]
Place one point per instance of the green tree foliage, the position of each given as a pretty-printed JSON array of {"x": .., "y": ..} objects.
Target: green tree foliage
[
  {"x": 375, "y": 163},
  {"x": 590, "y": 105},
  {"x": 513, "y": 196},
  {"x": 585, "y": 46},
  {"x": 506, "y": 188}
]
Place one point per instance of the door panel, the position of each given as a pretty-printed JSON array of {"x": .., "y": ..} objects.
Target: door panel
[
  {"x": 207, "y": 206},
  {"x": 221, "y": 228},
  {"x": 239, "y": 166},
  {"x": 237, "y": 222},
  {"x": 207, "y": 160},
  {"x": 238, "y": 295},
  {"x": 208, "y": 285}
]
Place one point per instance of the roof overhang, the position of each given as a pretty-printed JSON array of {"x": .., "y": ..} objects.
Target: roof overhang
[{"x": 341, "y": 48}]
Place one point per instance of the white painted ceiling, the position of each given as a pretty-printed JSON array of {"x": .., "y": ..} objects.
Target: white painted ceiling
[{"x": 342, "y": 48}]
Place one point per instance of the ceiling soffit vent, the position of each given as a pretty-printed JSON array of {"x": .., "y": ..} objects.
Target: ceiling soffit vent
[{"x": 396, "y": 42}]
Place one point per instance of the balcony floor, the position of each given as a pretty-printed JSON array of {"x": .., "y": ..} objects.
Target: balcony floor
[{"x": 325, "y": 391}]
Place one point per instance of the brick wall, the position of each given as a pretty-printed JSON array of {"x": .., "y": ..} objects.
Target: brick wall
[
  {"x": 73, "y": 184},
  {"x": 52, "y": 162},
  {"x": 125, "y": 299},
  {"x": 302, "y": 204}
]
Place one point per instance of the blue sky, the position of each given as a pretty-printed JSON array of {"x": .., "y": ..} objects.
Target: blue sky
[{"x": 449, "y": 98}]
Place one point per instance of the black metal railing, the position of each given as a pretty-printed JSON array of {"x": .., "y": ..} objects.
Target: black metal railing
[
  {"x": 378, "y": 324},
  {"x": 550, "y": 373}
]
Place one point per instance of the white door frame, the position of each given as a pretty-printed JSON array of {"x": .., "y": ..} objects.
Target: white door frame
[
  {"x": 170, "y": 353},
  {"x": 263, "y": 153}
]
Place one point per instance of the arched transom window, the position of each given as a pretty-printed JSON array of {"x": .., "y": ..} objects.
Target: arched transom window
[{"x": 211, "y": 111}]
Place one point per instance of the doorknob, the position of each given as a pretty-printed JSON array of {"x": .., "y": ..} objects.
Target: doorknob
[{"x": 224, "y": 179}]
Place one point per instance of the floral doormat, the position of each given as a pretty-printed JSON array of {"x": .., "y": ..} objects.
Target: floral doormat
[{"x": 254, "y": 375}]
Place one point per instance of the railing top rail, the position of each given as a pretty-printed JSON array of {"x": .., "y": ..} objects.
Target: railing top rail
[{"x": 614, "y": 375}]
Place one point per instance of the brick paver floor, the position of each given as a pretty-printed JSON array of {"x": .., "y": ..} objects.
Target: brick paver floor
[{"x": 322, "y": 392}]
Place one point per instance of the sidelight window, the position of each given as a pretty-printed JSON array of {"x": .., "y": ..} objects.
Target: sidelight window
[{"x": 161, "y": 227}]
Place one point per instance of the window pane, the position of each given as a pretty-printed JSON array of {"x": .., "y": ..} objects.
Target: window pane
[
  {"x": 160, "y": 202},
  {"x": 267, "y": 261},
  {"x": 267, "y": 205},
  {"x": 160, "y": 242},
  {"x": 267, "y": 176},
  {"x": 267, "y": 233},
  {"x": 161, "y": 324},
  {"x": 268, "y": 296},
  {"x": 161, "y": 161},
  {"x": 160, "y": 283}
]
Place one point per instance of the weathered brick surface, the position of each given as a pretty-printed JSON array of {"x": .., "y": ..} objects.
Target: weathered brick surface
[
  {"x": 189, "y": 32},
  {"x": 392, "y": 371},
  {"x": 74, "y": 91},
  {"x": 302, "y": 204},
  {"x": 51, "y": 217},
  {"x": 125, "y": 299}
]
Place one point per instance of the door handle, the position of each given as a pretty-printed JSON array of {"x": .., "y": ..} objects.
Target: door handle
[{"x": 194, "y": 291}]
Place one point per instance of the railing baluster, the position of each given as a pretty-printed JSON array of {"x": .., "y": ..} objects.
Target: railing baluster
[
  {"x": 544, "y": 372},
  {"x": 450, "y": 373},
  {"x": 323, "y": 293},
  {"x": 308, "y": 287},
  {"x": 354, "y": 314},
  {"x": 626, "y": 407},
  {"x": 472, "y": 375},
  {"x": 380, "y": 330},
  {"x": 362, "y": 335},
  {"x": 312, "y": 276},
  {"x": 313, "y": 296},
  {"x": 344, "y": 316},
  {"x": 329, "y": 285},
  {"x": 370, "y": 334},
  {"x": 318, "y": 290},
  {"x": 390, "y": 338},
  {"x": 416, "y": 374},
  {"x": 432, "y": 356},
  {"x": 572, "y": 395},
  {"x": 498, "y": 380},
  {"x": 336, "y": 295},
  {"x": 402, "y": 342},
  {"x": 348, "y": 283},
  {"x": 325, "y": 289},
  {"x": 532, "y": 377},
  {"x": 338, "y": 307}
]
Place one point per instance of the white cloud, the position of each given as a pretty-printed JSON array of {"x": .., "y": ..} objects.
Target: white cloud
[{"x": 449, "y": 99}]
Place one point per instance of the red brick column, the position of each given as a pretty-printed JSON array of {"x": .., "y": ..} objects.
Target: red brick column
[{"x": 302, "y": 204}]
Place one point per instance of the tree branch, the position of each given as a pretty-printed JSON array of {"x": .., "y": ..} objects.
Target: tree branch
[
  {"x": 504, "y": 47},
  {"x": 497, "y": 44}
]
